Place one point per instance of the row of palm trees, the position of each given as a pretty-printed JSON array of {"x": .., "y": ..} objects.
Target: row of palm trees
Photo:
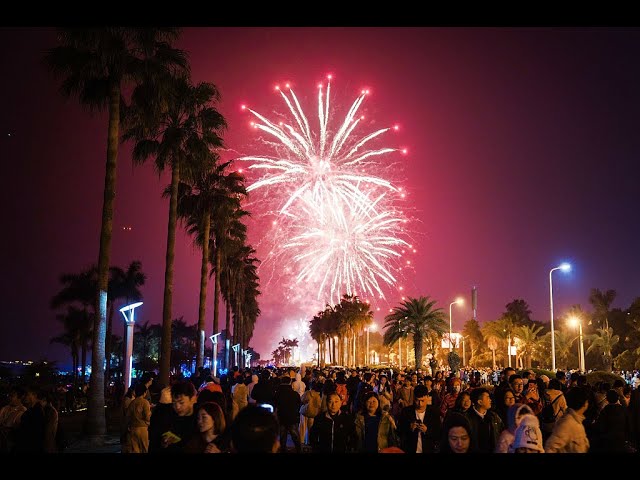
[
  {"x": 143, "y": 82},
  {"x": 418, "y": 320}
]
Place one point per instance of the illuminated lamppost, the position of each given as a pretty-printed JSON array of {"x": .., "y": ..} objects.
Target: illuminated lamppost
[
  {"x": 368, "y": 328},
  {"x": 458, "y": 301},
  {"x": 214, "y": 340},
  {"x": 236, "y": 348},
  {"x": 565, "y": 267},
  {"x": 129, "y": 320},
  {"x": 576, "y": 322}
]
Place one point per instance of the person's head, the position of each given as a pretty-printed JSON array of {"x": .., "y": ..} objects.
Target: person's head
[
  {"x": 147, "y": 378},
  {"x": 140, "y": 389},
  {"x": 481, "y": 399},
  {"x": 371, "y": 404},
  {"x": 507, "y": 372},
  {"x": 456, "y": 385},
  {"x": 545, "y": 379},
  {"x": 574, "y": 378},
  {"x": 612, "y": 396},
  {"x": 456, "y": 434},
  {"x": 528, "y": 437},
  {"x": 508, "y": 398},
  {"x": 554, "y": 384},
  {"x": 334, "y": 402},
  {"x": 515, "y": 414},
  {"x": 561, "y": 376},
  {"x": 15, "y": 396},
  {"x": 210, "y": 417},
  {"x": 577, "y": 399},
  {"x": 421, "y": 398},
  {"x": 255, "y": 430},
  {"x": 517, "y": 384},
  {"x": 183, "y": 397},
  {"x": 30, "y": 396},
  {"x": 463, "y": 401}
]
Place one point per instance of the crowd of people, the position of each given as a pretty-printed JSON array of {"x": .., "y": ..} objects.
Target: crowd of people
[{"x": 336, "y": 410}]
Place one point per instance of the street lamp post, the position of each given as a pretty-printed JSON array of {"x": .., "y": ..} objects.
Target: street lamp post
[
  {"x": 574, "y": 321},
  {"x": 458, "y": 301},
  {"x": 565, "y": 267},
  {"x": 235, "y": 348},
  {"x": 214, "y": 340},
  {"x": 368, "y": 328},
  {"x": 129, "y": 320}
]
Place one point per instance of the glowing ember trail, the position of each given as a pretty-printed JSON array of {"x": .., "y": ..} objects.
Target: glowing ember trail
[{"x": 337, "y": 225}]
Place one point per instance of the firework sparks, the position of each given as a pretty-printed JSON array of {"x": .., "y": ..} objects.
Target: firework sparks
[{"x": 338, "y": 223}]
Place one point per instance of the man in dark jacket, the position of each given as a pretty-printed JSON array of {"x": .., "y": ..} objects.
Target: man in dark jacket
[
  {"x": 486, "y": 425},
  {"x": 611, "y": 429},
  {"x": 287, "y": 403},
  {"x": 419, "y": 424},
  {"x": 332, "y": 431}
]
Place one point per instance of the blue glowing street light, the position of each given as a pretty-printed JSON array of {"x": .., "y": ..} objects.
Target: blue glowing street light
[
  {"x": 130, "y": 322},
  {"x": 565, "y": 267}
]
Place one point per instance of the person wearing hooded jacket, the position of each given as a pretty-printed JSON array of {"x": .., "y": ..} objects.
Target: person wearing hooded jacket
[
  {"x": 507, "y": 436},
  {"x": 569, "y": 435}
]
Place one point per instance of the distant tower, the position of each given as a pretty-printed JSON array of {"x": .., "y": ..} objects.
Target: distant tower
[{"x": 474, "y": 302}]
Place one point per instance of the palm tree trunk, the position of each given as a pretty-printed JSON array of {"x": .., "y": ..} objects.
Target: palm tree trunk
[
  {"x": 107, "y": 347},
  {"x": 417, "y": 346},
  {"x": 74, "y": 359},
  {"x": 84, "y": 361},
  {"x": 204, "y": 277},
  {"x": 216, "y": 291},
  {"x": 96, "y": 422},
  {"x": 228, "y": 327},
  {"x": 165, "y": 349}
]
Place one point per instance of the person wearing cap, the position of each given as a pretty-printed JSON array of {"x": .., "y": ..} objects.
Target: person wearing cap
[{"x": 528, "y": 437}]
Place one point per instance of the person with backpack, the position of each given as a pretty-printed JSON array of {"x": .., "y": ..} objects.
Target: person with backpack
[{"x": 555, "y": 405}]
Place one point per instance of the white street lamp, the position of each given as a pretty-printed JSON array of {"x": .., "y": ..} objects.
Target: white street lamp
[
  {"x": 236, "y": 348},
  {"x": 214, "y": 340},
  {"x": 130, "y": 322},
  {"x": 458, "y": 301},
  {"x": 369, "y": 328},
  {"x": 576, "y": 322},
  {"x": 565, "y": 267}
]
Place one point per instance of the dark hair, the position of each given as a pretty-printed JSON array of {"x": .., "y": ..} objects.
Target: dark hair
[
  {"x": 576, "y": 397},
  {"x": 612, "y": 396},
  {"x": 366, "y": 397},
  {"x": 183, "y": 387},
  {"x": 554, "y": 384},
  {"x": 476, "y": 393},
  {"x": 140, "y": 389},
  {"x": 255, "y": 430},
  {"x": 420, "y": 391},
  {"x": 215, "y": 412},
  {"x": 560, "y": 375},
  {"x": 452, "y": 420}
]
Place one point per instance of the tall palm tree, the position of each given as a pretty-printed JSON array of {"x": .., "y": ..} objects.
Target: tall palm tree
[
  {"x": 199, "y": 199},
  {"x": 73, "y": 323},
  {"x": 96, "y": 65},
  {"x": 603, "y": 341},
  {"x": 180, "y": 136},
  {"x": 418, "y": 317},
  {"x": 519, "y": 311},
  {"x": 601, "y": 302},
  {"x": 527, "y": 336},
  {"x": 471, "y": 330}
]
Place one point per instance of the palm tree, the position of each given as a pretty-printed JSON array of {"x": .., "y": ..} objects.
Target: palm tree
[
  {"x": 96, "y": 65},
  {"x": 471, "y": 330},
  {"x": 73, "y": 322},
  {"x": 603, "y": 341},
  {"x": 180, "y": 136},
  {"x": 418, "y": 317},
  {"x": 527, "y": 336},
  {"x": 146, "y": 336},
  {"x": 199, "y": 199},
  {"x": 519, "y": 311},
  {"x": 601, "y": 302}
]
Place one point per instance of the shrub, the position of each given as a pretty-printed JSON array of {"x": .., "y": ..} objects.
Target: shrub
[{"x": 602, "y": 376}]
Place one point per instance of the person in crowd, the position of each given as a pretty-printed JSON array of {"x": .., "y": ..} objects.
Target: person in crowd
[
  {"x": 374, "y": 429},
  {"x": 463, "y": 403},
  {"x": 569, "y": 435},
  {"x": 298, "y": 385},
  {"x": 332, "y": 431},
  {"x": 287, "y": 403},
  {"x": 514, "y": 414},
  {"x": 211, "y": 427},
  {"x": 125, "y": 441},
  {"x": 456, "y": 434},
  {"x": 311, "y": 403},
  {"x": 517, "y": 386},
  {"x": 255, "y": 430},
  {"x": 263, "y": 392},
  {"x": 528, "y": 436},
  {"x": 138, "y": 420},
  {"x": 555, "y": 400},
  {"x": 633, "y": 410},
  {"x": 503, "y": 402},
  {"x": 50, "y": 422},
  {"x": 449, "y": 400},
  {"x": 486, "y": 425},
  {"x": 10, "y": 416},
  {"x": 385, "y": 394},
  {"x": 181, "y": 423},
  {"x": 419, "y": 424},
  {"x": 31, "y": 430},
  {"x": 611, "y": 429}
]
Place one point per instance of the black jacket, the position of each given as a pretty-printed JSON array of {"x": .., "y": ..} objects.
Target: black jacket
[
  {"x": 332, "y": 434},
  {"x": 409, "y": 438}
]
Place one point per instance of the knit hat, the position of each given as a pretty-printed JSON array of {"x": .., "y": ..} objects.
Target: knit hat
[{"x": 528, "y": 434}]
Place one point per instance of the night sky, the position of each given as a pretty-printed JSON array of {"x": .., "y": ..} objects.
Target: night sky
[{"x": 523, "y": 153}]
